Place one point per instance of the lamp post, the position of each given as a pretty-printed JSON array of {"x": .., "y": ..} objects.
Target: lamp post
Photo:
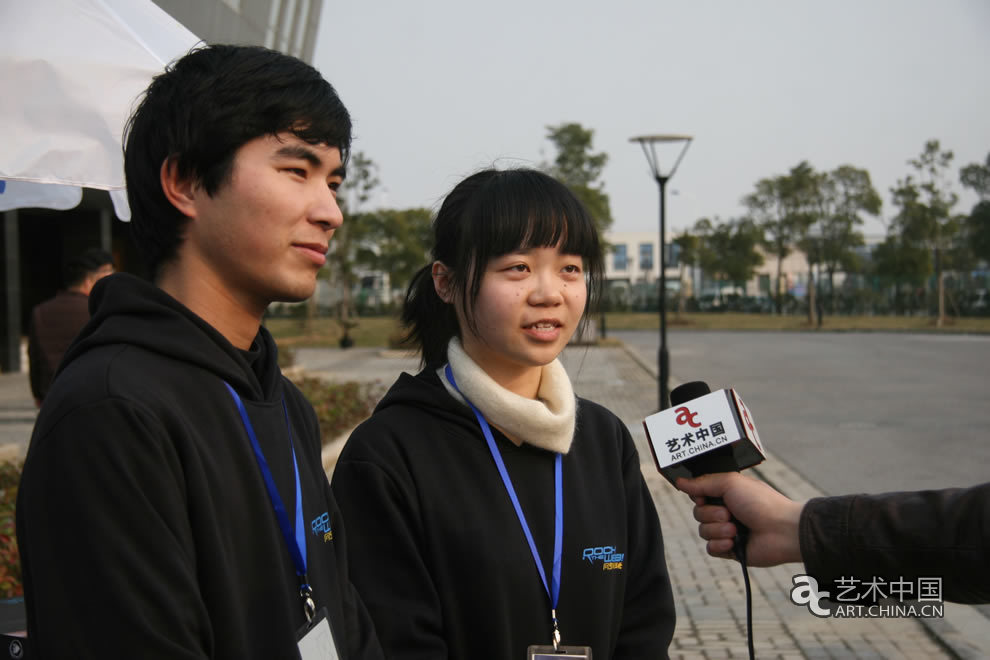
[
  {"x": 816, "y": 252},
  {"x": 649, "y": 144}
]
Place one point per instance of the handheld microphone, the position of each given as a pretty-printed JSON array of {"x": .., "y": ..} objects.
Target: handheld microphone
[{"x": 705, "y": 432}]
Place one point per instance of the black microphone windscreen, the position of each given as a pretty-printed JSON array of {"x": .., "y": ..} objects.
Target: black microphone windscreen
[{"x": 688, "y": 391}]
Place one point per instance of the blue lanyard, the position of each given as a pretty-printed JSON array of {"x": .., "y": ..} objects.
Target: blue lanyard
[
  {"x": 553, "y": 592},
  {"x": 297, "y": 542}
]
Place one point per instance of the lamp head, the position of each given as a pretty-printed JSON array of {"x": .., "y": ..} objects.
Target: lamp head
[{"x": 649, "y": 144}]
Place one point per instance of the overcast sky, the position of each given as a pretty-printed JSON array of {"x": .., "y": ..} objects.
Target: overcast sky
[{"x": 440, "y": 88}]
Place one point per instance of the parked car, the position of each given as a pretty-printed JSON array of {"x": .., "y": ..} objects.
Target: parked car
[{"x": 978, "y": 304}]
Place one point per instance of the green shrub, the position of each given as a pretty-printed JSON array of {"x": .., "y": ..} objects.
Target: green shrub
[
  {"x": 10, "y": 557},
  {"x": 286, "y": 357},
  {"x": 340, "y": 406}
]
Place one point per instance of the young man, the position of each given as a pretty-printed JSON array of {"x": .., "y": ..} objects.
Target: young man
[
  {"x": 173, "y": 502},
  {"x": 57, "y": 321}
]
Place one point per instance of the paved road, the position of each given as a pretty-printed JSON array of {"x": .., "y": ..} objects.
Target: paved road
[{"x": 852, "y": 412}]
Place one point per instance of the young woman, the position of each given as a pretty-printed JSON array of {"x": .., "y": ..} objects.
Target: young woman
[{"x": 490, "y": 510}]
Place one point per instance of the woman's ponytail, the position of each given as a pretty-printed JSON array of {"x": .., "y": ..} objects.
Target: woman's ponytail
[{"x": 430, "y": 322}]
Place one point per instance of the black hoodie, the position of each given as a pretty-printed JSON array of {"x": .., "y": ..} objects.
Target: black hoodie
[
  {"x": 440, "y": 558},
  {"x": 143, "y": 521}
]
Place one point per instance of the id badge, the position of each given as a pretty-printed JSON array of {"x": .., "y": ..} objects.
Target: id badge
[
  {"x": 315, "y": 640},
  {"x": 548, "y": 652}
]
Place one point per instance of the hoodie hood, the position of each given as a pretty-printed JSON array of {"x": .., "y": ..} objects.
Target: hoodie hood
[
  {"x": 127, "y": 310},
  {"x": 426, "y": 392}
]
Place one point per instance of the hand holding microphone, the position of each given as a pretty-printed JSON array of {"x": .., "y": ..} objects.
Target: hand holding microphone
[
  {"x": 705, "y": 432},
  {"x": 709, "y": 433},
  {"x": 772, "y": 518}
]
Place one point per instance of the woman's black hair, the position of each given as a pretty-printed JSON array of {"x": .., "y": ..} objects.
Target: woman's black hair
[
  {"x": 489, "y": 214},
  {"x": 200, "y": 111}
]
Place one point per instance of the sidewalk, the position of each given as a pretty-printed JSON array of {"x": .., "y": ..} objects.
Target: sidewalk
[{"x": 708, "y": 593}]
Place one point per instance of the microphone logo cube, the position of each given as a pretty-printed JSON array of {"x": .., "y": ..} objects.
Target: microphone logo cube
[
  {"x": 748, "y": 426},
  {"x": 710, "y": 433}
]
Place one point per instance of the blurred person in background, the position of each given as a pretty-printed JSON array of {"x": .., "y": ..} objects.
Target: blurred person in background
[{"x": 57, "y": 321}]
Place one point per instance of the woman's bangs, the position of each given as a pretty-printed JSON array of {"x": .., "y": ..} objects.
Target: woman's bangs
[{"x": 527, "y": 211}]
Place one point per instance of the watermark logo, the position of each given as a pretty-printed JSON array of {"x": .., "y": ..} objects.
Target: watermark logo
[
  {"x": 805, "y": 592},
  {"x": 873, "y": 598}
]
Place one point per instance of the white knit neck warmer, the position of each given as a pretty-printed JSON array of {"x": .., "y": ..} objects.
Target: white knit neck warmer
[{"x": 546, "y": 422}]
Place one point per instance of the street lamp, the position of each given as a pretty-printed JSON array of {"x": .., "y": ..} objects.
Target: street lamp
[
  {"x": 649, "y": 144},
  {"x": 816, "y": 249}
]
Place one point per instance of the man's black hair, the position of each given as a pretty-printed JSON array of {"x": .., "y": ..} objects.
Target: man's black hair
[
  {"x": 200, "y": 111},
  {"x": 78, "y": 267}
]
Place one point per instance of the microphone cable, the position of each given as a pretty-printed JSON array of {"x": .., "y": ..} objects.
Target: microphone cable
[
  {"x": 739, "y": 549},
  {"x": 720, "y": 460}
]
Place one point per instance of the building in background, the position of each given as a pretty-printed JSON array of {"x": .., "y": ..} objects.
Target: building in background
[
  {"x": 632, "y": 267},
  {"x": 288, "y": 26}
]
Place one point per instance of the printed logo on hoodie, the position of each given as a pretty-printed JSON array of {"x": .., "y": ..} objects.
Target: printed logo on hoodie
[
  {"x": 321, "y": 525},
  {"x": 607, "y": 555}
]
